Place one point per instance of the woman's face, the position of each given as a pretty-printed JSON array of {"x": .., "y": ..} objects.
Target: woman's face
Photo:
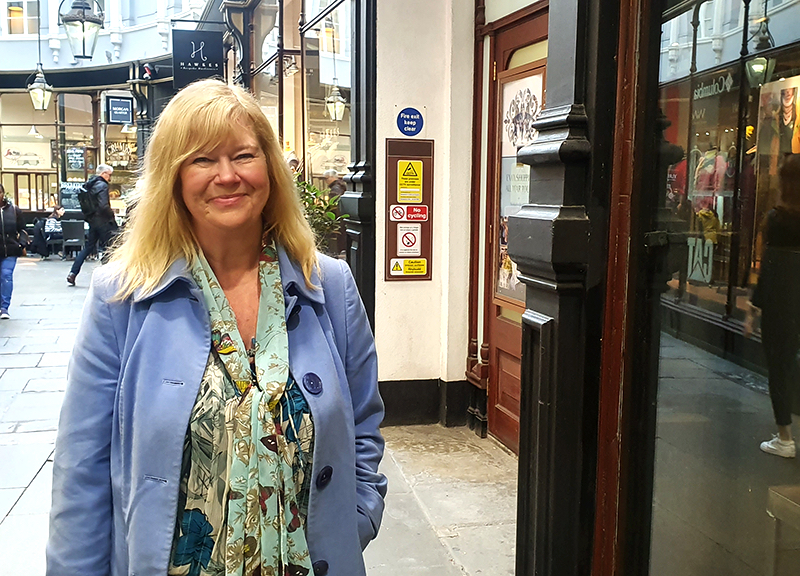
[{"x": 226, "y": 189}]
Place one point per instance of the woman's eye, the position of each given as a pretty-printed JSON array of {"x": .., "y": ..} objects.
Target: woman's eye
[
  {"x": 245, "y": 156},
  {"x": 201, "y": 160}
]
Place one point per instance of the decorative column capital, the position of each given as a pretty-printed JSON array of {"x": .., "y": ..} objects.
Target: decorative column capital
[
  {"x": 163, "y": 27},
  {"x": 54, "y": 43},
  {"x": 116, "y": 42}
]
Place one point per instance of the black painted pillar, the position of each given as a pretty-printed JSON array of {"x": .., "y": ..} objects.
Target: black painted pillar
[
  {"x": 558, "y": 241},
  {"x": 359, "y": 200}
]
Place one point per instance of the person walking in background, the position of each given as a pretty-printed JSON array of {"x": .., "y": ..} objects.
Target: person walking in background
[
  {"x": 12, "y": 229},
  {"x": 777, "y": 296},
  {"x": 222, "y": 412},
  {"x": 336, "y": 185},
  {"x": 99, "y": 215}
]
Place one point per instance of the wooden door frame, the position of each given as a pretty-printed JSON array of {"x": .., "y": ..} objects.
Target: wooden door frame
[
  {"x": 624, "y": 497},
  {"x": 504, "y": 334},
  {"x": 477, "y": 362}
]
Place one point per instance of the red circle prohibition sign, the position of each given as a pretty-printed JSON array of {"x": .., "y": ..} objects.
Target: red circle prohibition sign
[
  {"x": 398, "y": 212},
  {"x": 409, "y": 239}
]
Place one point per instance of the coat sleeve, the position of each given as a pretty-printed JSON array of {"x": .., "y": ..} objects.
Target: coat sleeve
[
  {"x": 361, "y": 365},
  {"x": 80, "y": 538}
]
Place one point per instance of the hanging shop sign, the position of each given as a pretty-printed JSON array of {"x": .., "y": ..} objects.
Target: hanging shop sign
[
  {"x": 409, "y": 201},
  {"x": 119, "y": 110},
  {"x": 196, "y": 54},
  {"x": 410, "y": 121}
]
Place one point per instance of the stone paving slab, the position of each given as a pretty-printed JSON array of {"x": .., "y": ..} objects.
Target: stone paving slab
[
  {"x": 54, "y": 359},
  {"x": 17, "y": 378},
  {"x": 27, "y": 460},
  {"x": 19, "y": 360},
  {"x": 38, "y": 496},
  {"x": 23, "y": 541},
  {"x": 8, "y": 497},
  {"x": 29, "y": 406}
]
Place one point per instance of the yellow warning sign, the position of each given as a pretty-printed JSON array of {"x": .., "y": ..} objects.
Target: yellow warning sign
[
  {"x": 409, "y": 181},
  {"x": 409, "y": 266}
]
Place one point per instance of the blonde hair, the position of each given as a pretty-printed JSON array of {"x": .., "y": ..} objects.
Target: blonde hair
[{"x": 159, "y": 232}]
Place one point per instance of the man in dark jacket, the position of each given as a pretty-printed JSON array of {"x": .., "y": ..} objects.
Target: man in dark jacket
[
  {"x": 12, "y": 230},
  {"x": 102, "y": 224}
]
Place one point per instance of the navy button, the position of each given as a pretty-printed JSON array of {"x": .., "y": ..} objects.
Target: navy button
[
  {"x": 324, "y": 477},
  {"x": 312, "y": 383},
  {"x": 320, "y": 568}
]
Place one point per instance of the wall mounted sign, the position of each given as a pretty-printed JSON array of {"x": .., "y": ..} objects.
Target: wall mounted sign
[
  {"x": 119, "y": 110},
  {"x": 410, "y": 121},
  {"x": 196, "y": 54},
  {"x": 409, "y": 202}
]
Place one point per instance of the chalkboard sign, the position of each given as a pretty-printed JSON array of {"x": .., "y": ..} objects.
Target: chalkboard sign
[
  {"x": 75, "y": 160},
  {"x": 68, "y": 195}
]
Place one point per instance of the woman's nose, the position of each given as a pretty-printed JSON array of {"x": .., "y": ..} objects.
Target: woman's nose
[{"x": 226, "y": 171}]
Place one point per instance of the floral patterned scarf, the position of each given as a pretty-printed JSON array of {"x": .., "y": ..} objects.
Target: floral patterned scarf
[{"x": 246, "y": 470}]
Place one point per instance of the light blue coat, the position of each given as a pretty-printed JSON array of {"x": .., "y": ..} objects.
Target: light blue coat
[{"x": 133, "y": 379}]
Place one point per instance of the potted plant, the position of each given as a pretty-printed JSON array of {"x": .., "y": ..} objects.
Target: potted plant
[{"x": 321, "y": 212}]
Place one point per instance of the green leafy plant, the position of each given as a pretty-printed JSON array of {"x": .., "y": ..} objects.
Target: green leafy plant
[{"x": 321, "y": 212}]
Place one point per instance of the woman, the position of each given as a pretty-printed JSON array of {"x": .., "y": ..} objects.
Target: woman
[
  {"x": 12, "y": 229},
  {"x": 181, "y": 449},
  {"x": 52, "y": 226},
  {"x": 777, "y": 296},
  {"x": 46, "y": 231}
]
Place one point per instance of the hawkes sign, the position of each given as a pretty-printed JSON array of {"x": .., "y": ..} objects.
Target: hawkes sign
[{"x": 196, "y": 54}]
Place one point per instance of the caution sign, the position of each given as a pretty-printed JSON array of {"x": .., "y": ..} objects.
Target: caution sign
[
  {"x": 408, "y": 266},
  {"x": 409, "y": 181}
]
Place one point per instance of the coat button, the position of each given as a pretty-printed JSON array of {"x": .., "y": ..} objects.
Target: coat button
[
  {"x": 324, "y": 477},
  {"x": 312, "y": 383},
  {"x": 320, "y": 568}
]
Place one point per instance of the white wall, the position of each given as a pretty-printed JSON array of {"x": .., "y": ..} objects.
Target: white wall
[{"x": 421, "y": 327}]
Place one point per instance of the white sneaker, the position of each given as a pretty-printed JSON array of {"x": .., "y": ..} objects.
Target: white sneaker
[
  {"x": 779, "y": 447},
  {"x": 4, "y": 315}
]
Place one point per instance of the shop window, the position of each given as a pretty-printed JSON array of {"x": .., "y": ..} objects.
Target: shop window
[
  {"x": 28, "y": 148},
  {"x": 21, "y": 17},
  {"x": 17, "y": 109},
  {"x": 327, "y": 101},
  {"x": 121, "y": 153},
  {"x": 703, "y": 116},
  {"x": 77, "y": 109}
]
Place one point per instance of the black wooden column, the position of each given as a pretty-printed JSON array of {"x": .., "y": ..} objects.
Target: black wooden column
[
  {"x": 359, "y": 200},
  {"x": 558, "y": 241}
]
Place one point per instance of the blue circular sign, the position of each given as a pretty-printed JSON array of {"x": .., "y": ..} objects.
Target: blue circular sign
[{"x": 410, "y": 121}]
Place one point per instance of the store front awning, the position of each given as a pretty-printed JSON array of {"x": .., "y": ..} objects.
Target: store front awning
[{"x": 77, "y": 79}]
